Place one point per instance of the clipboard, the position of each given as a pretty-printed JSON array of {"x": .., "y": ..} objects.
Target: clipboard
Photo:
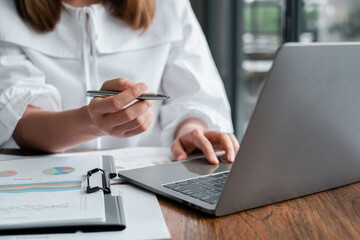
[{"x": 114, "y": 212}]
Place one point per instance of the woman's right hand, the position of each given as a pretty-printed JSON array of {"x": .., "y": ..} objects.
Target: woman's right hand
[{"x": 112, "y": 116}]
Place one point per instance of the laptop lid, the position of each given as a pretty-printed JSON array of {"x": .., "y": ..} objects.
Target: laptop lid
[{"x": 304, "y": 135}]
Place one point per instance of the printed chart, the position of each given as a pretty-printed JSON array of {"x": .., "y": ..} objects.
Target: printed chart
[
  {"x": 7, "y": 173},
  {"x": 41, "y": 187},
  {"x": 58, "y": 170}
]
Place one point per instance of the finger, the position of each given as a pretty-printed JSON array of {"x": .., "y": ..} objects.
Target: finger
[
  {"x": 177, "y": 150},
  {"x": 118, "y": 84},
  {"x": 129, "y": 114},
  {"x": 126, "y": 131},
  {"x": 131, "y": 94},
  {"x": 201, "y": 142},
  {"x": 227, "y": 145},
  {"x": 235, "y": 142},
  {"x": 231, "y": 148},
  {"x": 140, "y": 129},
  {"x": 138, "y": 122},
  {"x": 117, "y": 102}
]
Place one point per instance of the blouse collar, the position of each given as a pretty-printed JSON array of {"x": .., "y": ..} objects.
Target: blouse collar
[{"x": 111, "y": 35}]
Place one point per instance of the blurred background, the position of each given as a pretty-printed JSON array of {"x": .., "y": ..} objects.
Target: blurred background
[{"x": 244, "y": 35}]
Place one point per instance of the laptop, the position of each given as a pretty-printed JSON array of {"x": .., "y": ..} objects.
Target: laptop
[{"x": 303, "y": 138}]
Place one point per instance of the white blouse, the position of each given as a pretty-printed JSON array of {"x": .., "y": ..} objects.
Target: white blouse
[{"x": 53, "y": 70}]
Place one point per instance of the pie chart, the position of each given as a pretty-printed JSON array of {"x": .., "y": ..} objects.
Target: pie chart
[
  {"x": 7, "y": 173},
  {"x": 58, "y": 170}
]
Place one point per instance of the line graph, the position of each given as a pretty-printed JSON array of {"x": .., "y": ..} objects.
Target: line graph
[{"x": 33, "y": 207}]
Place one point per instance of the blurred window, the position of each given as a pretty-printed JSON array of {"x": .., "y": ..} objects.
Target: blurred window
[
  {"x": 262, "y": 36},
  {"x": 330, "y": 21},
  {"x": 244, "y": 36}
]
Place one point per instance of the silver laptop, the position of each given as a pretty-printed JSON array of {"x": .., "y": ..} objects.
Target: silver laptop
[{"x": 303, "y": 137}]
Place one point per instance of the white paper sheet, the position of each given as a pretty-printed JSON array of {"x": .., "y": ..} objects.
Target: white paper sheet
[
  {"x": 48, "y": 189},
  {"x": 129, "y": 158}
]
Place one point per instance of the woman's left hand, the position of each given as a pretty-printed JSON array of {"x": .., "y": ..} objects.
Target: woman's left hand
[{"x": 192, "y": 135}]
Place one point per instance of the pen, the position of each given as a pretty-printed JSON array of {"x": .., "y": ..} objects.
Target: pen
[{"x": 146, "y": 96}]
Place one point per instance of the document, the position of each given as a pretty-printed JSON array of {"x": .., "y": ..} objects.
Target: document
[
  {"x": 141, "y": 222},
  {"x": 48, "y": 189},
  {"x": 130, "y": 158}
]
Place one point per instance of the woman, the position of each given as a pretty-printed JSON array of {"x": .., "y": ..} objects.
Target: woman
[{"x": 52, "y": 52}]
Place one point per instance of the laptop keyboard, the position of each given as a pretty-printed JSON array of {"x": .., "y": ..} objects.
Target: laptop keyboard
[{"x": 205, "y": 188}]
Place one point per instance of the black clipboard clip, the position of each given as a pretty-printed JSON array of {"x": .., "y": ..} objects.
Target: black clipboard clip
[{"x": 105, "y": 181}]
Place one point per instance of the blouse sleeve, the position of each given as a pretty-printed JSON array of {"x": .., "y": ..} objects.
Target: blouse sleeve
[
  {"x": 193, "y": 83},
  {"x": 21, "y": 84}
]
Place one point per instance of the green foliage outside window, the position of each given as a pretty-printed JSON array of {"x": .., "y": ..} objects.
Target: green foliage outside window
[{"x": 262, "y": 18}]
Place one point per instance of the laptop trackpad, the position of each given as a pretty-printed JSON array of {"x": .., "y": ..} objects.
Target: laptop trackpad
[{"x": 202, "y": 166}]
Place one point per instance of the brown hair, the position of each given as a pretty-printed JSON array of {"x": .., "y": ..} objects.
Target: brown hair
[{"x": 43, "y": 15}]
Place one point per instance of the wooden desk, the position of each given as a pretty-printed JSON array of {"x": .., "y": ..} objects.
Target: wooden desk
[{"x": 333, "y": 214}]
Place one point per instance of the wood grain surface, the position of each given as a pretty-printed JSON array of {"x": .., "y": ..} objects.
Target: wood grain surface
[{"x": 333, "y": 214}]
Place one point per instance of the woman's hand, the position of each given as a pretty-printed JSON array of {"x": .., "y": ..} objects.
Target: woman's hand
[
  {"x": 111, "y": 116},
  {"x": 192, "y": 135}
]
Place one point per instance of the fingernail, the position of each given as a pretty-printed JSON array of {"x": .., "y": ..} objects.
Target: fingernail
[
  {"x": 214, "y": 160},
  {"x": 232, "y": 157},
  {"x": 181, "y": 157},
  {"x": 142, "y": 87}
]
